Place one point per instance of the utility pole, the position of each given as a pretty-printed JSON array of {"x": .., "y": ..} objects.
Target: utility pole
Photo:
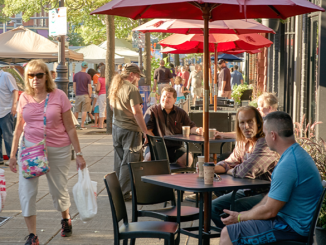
[{"x": 62, "y": 71}]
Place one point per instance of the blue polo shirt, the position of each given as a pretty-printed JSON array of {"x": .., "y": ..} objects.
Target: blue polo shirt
[{"x": 296, "y": 181}]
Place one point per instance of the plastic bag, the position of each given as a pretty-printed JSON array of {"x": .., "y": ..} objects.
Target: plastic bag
[
  {"x": 85, "y": 195},
  {"x": 3, "y": 192}
]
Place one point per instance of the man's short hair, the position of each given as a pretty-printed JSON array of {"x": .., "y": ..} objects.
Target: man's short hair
[
  {"x": 170, "y": 90},
  {"x": 162, "y": 62},
  {"x": 270, "y": 99},
  {"x": 259, "y": 120},
  {"x": 236, "y": 67},
  {"x": 221, "y": 61},
  {"x": 52, "y": 72},
  {"x": 280, "y": 122}
]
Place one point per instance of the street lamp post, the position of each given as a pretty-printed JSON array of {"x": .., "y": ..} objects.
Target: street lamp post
[{"x": 62, "y": 80}]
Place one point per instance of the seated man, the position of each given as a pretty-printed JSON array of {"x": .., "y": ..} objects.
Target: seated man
[
  {"x": 267, "y": 103},
  {"x": 286, "y": 212},
  {"x": 251, "y": 158},
  {"x": 168, "y": 119}
]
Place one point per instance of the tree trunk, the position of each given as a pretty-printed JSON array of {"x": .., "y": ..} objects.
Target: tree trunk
[
  {"x": 176, "y": 60},
  {"x": 109, "y": 67},
  {"x": 147, "y": 59}
]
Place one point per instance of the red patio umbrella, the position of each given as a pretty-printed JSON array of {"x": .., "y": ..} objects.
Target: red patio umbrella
[
  {"x": 225, "y": 42},
  {"x": 196, "y": 26},
  {"x": 215, "y": 9},
  {"x": 168, "y": 50}
]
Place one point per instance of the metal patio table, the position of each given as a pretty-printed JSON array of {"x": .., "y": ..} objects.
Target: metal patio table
[
  {"x": 191, "y": 183},
  {"x": 199, "y": 139}
]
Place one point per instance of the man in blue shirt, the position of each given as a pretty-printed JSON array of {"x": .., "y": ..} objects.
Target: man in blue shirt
[
  {"x": 236, "y": 77},
  {"x": 286, "y": 212}
]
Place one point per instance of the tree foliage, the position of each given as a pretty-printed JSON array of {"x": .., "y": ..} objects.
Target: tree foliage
[
  {"x": 90, "y": 27},
  {"x": 3, "y": 18}
]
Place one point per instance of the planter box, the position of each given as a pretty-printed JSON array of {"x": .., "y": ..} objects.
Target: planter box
[
  {"x": 247, "y": 94},
  {"x": 320, "y": 236}
]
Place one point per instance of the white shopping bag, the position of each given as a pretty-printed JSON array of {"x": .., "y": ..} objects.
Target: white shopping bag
[
  {"x": 85, "y": 195},
  {"x": 3, "y": 192}
]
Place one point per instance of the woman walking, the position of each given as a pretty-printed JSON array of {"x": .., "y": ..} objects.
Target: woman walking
[
  {"x": 40, "y": 94},
  {"x": 100, "y": 88}
]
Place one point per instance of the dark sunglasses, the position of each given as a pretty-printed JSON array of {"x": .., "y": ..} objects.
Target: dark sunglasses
[{"x": 38, "y": 75}]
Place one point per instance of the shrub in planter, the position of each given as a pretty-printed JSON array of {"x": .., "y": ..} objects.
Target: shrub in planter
[{"x": 316, "y": 148}]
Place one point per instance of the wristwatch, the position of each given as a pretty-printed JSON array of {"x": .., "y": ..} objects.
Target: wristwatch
[{"x": 79, "y": 154}]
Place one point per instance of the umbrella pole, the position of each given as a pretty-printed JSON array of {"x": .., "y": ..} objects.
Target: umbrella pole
[
  {"x": 207, "y": 199},
  {"x": 206, "y": 14},
  {"x": 210, "y": 82},
  {"x": 215, "y": 77}
]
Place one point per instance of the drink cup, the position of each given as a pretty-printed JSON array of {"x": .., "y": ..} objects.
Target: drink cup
[
  {"x": 201, "y": 160},
  {"x": 186, "y": 131},
  {"x": 209, "y": 173},
  {"x": 212, "y": 132}
]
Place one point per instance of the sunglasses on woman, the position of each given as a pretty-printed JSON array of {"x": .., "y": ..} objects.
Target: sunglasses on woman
[{"x": 38, "y": 75}]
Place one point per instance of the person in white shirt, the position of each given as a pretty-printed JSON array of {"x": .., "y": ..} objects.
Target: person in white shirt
[{"x": 8, "y": 107}]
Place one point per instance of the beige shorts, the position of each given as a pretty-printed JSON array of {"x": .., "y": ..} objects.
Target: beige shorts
[
  {"x": 197, "y": 92},
  {"x": 83, "y": 103}
]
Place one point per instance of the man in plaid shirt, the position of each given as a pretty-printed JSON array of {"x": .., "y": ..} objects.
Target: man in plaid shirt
[{"x": 251, "y": 159}]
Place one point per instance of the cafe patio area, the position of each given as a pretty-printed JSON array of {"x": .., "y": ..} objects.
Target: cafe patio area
[{"x": 98, "y": 151}]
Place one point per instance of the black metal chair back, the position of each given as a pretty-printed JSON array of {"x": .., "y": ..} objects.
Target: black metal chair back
[
  {"x": 157, "y": 148},
  {"x": 310, "y": 240},
  {"x": 145, "y": 193},
  {"x": 118, "y": 206},
  {"x": 315, "y": 218}
]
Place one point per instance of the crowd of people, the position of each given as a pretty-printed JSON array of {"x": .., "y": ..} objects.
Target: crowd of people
[{"x": 265, "y": 145}]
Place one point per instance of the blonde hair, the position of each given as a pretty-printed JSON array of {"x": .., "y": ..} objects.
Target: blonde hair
[
  {"x": 178, "y": 80},
  {"x": 102, "y": 71},
  {"x": 259, "y": 120},
  {"x": 33, "y": 65},
  {"x": 269, "y": 99},
  {"x": 116, "y": 84}
]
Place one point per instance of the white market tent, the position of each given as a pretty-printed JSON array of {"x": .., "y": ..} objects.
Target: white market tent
[
  {"x": 124, "y": 49},
  {"x": 94, "y": 54},
  {"x": 21, "y": 45}
]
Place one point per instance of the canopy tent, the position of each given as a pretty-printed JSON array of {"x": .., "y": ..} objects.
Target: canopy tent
[
  {"x": 21, "y": 45},
  {"x": 95, "y": 54},
  {"x": 124, "y": 49}
]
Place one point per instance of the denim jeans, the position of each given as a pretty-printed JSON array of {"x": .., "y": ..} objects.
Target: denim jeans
[
  {"x": 241, "y": 203},
  {"x": 6, "y": 132}
]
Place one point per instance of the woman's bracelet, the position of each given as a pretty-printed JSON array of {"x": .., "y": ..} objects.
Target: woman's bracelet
[{"x": 239, "y": 218}]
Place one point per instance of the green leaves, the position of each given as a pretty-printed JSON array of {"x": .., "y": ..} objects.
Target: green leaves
[
  {"x": 238, "y": 90},
  {"x": 91, "y": 28}
]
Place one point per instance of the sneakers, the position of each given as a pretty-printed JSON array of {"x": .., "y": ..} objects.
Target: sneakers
[
  {"x": 127, "y": 197},
  {"x": 2, "y": 162},
  {"x": 6, "y": 163},
  {"x": 192, "y": 198},
  {"x": 66, "y": 230},
  {"x": 32, "y": 240}
]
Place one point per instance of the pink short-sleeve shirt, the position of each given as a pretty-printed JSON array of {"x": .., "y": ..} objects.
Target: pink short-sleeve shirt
[{"x": 56, "y": 134}]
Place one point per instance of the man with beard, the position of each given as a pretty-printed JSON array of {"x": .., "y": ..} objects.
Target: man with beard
[
  {"x": 128, "y": 123},
  {"x": 251, "y": 159},
  {"x": 168, "y": 119}
]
